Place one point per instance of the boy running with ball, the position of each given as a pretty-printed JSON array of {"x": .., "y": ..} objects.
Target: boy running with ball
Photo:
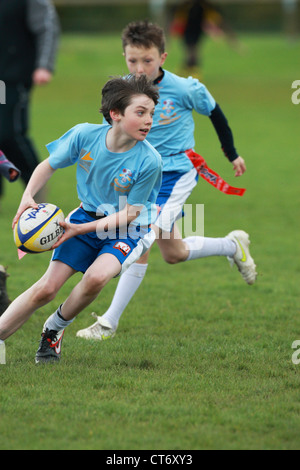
[{"x": 118, "y": 179}]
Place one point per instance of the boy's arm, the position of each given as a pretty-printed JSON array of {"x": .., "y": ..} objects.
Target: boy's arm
[
  {"x": 239, "y": 166},
  {"x": 43, "y": 23},
  {"x": 39, "y": 178},
  {"x": 118, "y": 219},
  {"x": 224, "y": 132}
]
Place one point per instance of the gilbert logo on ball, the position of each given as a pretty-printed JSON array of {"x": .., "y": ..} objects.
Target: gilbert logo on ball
[{"x": 37, "y": 230}]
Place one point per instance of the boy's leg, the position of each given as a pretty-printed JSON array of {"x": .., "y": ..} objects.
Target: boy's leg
[
  {"x": 42, "y": 292},
  {"x": 235, "y": 246},
  {"x": 103, "y": 269},
  {"x": 174, "y": 249},
  {"x": 128, "y": 284}
]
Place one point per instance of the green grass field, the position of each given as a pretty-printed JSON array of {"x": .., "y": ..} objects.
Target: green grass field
[{"x": 200, "y": 359}]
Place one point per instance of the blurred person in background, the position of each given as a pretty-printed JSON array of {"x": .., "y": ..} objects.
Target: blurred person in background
[
  {"x": 192, "y": 21},
  {"x": 11, "y": 173},
  {"x": 8, "y": 169},
  {"x": 290, "y": 19},
  {"x": 29, "y": 32}
]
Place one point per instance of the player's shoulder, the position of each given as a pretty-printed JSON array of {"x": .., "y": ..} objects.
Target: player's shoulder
[
  {"x": 88, "y": 132},
  {"x": 182, "y": 82},
  {"x": 185, "y": 88},
  {"x": 151, "y": 153},
  {"x": 86, "y": 127},
  {"x": 150, "y": 149}
]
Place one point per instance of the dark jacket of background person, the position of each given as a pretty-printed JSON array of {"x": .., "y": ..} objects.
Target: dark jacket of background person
[{"x": 29, "y": 34}]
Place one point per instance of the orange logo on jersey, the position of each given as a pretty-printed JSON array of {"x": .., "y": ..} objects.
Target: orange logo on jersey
[{"x": 85, "y": 160}]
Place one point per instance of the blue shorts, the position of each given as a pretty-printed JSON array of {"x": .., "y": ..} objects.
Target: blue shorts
[
  {"x": 174, "y": 191},
  {"x": 81, "y": 251}
]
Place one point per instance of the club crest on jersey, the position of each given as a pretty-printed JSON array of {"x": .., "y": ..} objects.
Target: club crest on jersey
[
  {"x": 168, "y": 115},
  {"x": 124, "y": 181},
  {"x": 123, "y": 247}
]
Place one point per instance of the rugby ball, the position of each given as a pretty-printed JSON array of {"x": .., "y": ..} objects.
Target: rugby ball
[{"x": 37, "y": 230}]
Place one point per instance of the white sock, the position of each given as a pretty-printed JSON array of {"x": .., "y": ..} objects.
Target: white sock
[
  {"x": 201, "y": 247},
  {"x": 56, "y": 321},
  {"x": 127, "y": 286}
]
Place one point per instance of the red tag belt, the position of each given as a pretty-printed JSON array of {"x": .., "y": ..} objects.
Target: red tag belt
[{"x": 211, "y": 176}]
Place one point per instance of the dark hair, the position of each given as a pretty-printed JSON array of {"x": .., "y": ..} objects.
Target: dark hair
[
  {"x": 118, "y": 92},
  {"x": 144, "y": 34}
]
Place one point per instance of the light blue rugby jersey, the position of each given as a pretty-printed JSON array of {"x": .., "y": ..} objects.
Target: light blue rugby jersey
[
  {"x": 172, "y": 131},
  {"x": 106, "y": 181}
]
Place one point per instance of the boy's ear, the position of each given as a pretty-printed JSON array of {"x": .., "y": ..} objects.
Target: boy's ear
[
  {"x": 115, "y": 115},
  {"x": 163, "y": 58}
]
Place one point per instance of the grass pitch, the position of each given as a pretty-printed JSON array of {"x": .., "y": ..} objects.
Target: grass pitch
[{"x": 200, "y": 359}]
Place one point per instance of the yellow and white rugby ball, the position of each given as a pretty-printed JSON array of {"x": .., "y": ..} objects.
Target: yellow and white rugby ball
[{"x": 37, "y": 230}]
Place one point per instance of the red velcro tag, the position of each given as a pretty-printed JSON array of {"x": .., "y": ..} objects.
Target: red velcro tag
[{"x": 211, "y": 176}]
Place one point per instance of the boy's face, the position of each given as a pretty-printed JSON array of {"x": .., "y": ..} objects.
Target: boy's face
[
  {"x": 144, "y": 61},
  {"x": 137, "y": 119}
]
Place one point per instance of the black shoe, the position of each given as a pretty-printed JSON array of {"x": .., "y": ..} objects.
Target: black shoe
[
  {"x": 50, "y": 346},
  {"x": 4, "y": 300}
]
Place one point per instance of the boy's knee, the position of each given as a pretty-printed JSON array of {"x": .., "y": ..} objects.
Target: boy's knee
[
  {"x": 171, "y": 258},
  {"x": 94, "y": 283},
  {"x": 44, "y": 292},
  {"x": 174, "y": 254}
]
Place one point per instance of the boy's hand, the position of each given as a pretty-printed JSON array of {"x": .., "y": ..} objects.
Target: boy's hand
[
  {"x": 239, "y": 166},
  {"x": 13, "y": 174},
  {"x": 70, "y": 230},
  {"x": 25, "y": 204},
  {"x": 41, "y": 76}
]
